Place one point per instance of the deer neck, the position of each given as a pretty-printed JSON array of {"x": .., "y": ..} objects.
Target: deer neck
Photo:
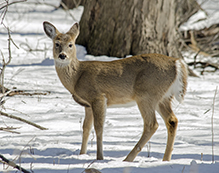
[{"x": 68, "y": 73}]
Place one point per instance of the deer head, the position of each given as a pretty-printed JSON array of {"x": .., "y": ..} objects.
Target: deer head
[{"x": 64, "y": 50}]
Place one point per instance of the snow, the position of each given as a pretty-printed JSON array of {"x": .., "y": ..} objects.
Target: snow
[
  {"x": 205, "y": 17},
  {"x": 57, "y": 149}
]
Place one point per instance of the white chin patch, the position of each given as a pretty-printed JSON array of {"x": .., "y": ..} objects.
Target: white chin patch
[{"x": 61, "y": 62}]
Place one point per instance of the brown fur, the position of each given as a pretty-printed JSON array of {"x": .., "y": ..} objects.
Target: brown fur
[{"x": 145, "y": 79}]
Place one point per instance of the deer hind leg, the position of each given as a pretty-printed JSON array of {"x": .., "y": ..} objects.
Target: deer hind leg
[
  {"x": 87, "y": 125},
  {"x": 171, "y": 122},
  {"x": 150, "y": 126}
]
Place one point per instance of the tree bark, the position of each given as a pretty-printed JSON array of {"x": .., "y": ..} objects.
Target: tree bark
[{"x": 120, "y": 27}]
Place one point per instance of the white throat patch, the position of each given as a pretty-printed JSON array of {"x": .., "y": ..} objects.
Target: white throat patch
[{"x": 61, "y": 63}]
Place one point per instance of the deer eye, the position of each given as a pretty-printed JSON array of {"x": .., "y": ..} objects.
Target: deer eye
[
  {"x": 70, "y": 45},
  {"x": 57, "y": 44}
]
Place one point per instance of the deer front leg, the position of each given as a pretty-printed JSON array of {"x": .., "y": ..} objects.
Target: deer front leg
[
  {"x": 99, "y": 110},
  {"x": 87, "y": 125}
]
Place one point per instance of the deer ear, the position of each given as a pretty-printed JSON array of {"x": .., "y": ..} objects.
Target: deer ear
[
  {"x": 50, "y": 30},
  {"x": 74, "y": 30}
]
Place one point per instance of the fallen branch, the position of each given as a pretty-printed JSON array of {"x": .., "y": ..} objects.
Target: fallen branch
[
  {"x": 22, "y": 92},
  {"x": 204, "y": 65},
  {"x": 9, "y": 129},
  {"x": 6, "y": 92},
  {"x": 23, "y": 120},
  {"x": 194, "y": 45},
  {"x": 12, "y": 164},
  {"x": 205, "y": 41}
]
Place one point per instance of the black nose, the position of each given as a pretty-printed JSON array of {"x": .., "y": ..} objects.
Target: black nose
[{"x": 62, "y": 56}]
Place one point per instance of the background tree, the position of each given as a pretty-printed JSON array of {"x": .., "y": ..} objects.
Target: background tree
[{"x": 119, "y": 27}]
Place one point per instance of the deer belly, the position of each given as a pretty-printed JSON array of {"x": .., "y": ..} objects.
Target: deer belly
[
  {"x": 120, "y": 102},
  {"x": 128, "y": 104}
]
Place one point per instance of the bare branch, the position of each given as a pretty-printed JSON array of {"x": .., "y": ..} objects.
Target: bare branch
[
  {"x": 5, "y": 63},
  {"x": 23, "y": 120},
  {"x": 27, "y": 48},
  {"x": 12, "y": 164}
]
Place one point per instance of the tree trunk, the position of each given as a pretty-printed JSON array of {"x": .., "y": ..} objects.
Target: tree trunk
[{"x": 120, "y": 27}]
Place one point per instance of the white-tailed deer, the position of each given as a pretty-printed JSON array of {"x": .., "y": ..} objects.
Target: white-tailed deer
[{"x": 151, "y": 80}]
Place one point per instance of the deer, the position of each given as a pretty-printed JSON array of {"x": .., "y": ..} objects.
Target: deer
[{"x": 152, "y": 81}]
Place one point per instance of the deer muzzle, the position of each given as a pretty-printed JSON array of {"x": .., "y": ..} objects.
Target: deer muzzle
[{"x": 62, "y": 56}]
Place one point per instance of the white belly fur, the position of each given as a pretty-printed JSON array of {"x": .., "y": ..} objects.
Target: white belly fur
[{"x": 128, "y": 104}]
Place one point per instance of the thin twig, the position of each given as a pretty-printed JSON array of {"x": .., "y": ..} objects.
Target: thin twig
[
  {"x": 183, "y": 169},
  {"x": 17, "y": 111},
  {"x": 67, "y": 10},
  {"x": 23, "y": 120},
  {"x": 5, "y": 63},
  {"x": 27, "y": 145},
  {"x": 8, "y": 4},
  {"x": 9, "y": 129},
  {"x": 149, "y": 148},
  {"x": 4, "y": 12},
  {"x": 43, "y": 3},
  {"x": 27, "y": 48},
  {"x": 212, "y": 124},
  {"x": 195, "y": 58}
]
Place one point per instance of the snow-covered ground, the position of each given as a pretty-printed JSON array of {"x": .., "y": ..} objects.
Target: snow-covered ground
[{"x": 57, "y": 149}]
